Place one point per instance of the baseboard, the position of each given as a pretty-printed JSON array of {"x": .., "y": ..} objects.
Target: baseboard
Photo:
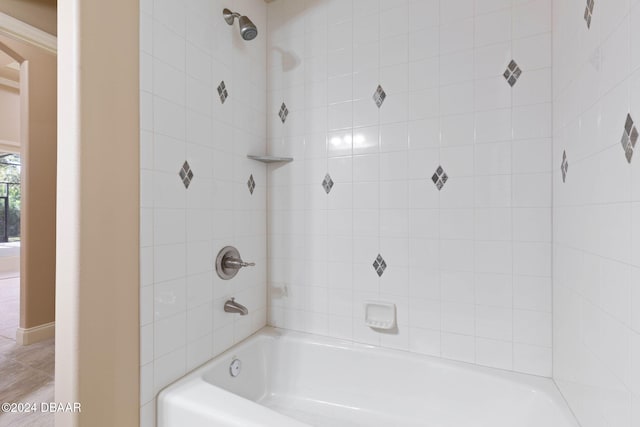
[{"x": 36, "y": 334}]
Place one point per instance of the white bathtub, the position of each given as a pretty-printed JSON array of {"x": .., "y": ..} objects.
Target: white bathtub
[{"x": 293, "y": 379}]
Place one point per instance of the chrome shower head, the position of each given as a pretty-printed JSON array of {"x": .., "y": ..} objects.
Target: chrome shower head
[{"x": 248, "y": 30}]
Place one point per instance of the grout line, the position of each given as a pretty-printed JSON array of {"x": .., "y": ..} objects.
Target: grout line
[{"x": 511, "y": 155}]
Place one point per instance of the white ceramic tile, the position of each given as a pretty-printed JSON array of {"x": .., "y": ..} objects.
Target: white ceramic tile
[
  {"x": 424, "y": 341},
  {"x": 532, "y": 293},
  {"x": 533, "y": 52},
  {"x": 146, "y": 383},
  {"x": 493, "y": 158},
  {"x": 486, "y": 58},
  {"x": 340, "y": 116},
  {"x": 394, "y": 50},
  {"x": 199, "y": 351},
  {"x": 531, "y": 156},
  {"x": 457, "y": 130},
  {"x": 169, "y": 334},
  {"x": 168, "y": 46},
  {"x": 395, "y": 108},
  {"x": 168, "y": 368},
  {"x": 340, "y": 36},
  {"x": 456, "y": 37},
  {"x": 493, "y": 125},
  {"x": 169, "y": 298},
  {"x": 146, "y": 344},
  {"x": 456, "y": 11},
  {"x": 493, "y": 27},
  {"x": 532, "y": 258},
  {"x": 458, "y": 347},
  {"x": 493, "y": 191},
  {"x": 424, "y": 43},
  {"x": 532, "y": 121},
  {"x": 457, "y": 224},
  {"x": 169, "y": 118},
  {"x": 394, "y": 21},
  {"x": 531, "y": 18},
  {"x": 340, "y": 89},
  {"x": 455, "y": 67},
  {"x": 531, "y": 190},
  {"x": 458, "y": 318},
  {"x": 532, "y": 327},
  {"x": 532, "y": 359},
  {"x": 493, "y": 353},
  {"x": 365, "y": 30},
  {"x": 493, "y": 257},
  {"x": 199, "y": 322},
  {"x": 492, "y": 93},
  {"x": 394, "y": 137},
  {"x": 169, "y": 82},
  {"x": 394, "y": 78},
  {"x": 339, "y": 62},
  {"x": 169, "y": 262},
  {"x": 456, "y": 98},
  {"x": 533, "y": 87},
  {"x": 494, "y": 322},
  {"x": 146, "y": 266},
  {"x": 423, "y": 14},
  {"x": 494, "y": 290},
  {"x": 148, "y": 414}
]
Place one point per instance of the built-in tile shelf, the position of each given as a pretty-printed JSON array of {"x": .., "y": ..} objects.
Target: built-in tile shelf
[{"x": 271, "y": 159}]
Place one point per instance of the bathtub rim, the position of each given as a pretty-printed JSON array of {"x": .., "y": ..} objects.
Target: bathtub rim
[{"x": 541, "y": 384}]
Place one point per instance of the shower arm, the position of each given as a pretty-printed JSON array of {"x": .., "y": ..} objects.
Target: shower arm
[{"x": 229, "y": 16}]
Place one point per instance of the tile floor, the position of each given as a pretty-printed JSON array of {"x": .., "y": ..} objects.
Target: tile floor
[
  {"x": 26, "y": 372},
  {"x": 9, "y": 306}
]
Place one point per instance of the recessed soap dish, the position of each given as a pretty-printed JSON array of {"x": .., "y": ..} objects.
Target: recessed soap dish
[{"x": 380, "y": 315}]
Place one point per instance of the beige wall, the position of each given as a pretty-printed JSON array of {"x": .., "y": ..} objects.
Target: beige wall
[
  {"x": 9, "y": 115},
  {"x": 38, "y": 152},
  {"x": 38, "y": 13},
  {"x": 97, "y": 337}
]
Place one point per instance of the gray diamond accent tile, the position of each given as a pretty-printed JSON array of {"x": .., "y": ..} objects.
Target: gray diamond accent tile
[
  {"x": 512, "y": 73},
  {"x": 629, "y": 138},
  {"x": 379, "y": 96},
  {"x": 379, "y": 265},
  {"x": 564, "y": 167},
  {"x": 327, "y": 183},
  {"x": 251, "y": 184},
  {"x": 222, "y": 92},
  {"x": 283, "y": 113},
  {"x": 186, "y": 174},
  {"x": 439, "y": 178},
  {"x": 588, "y": 12}
]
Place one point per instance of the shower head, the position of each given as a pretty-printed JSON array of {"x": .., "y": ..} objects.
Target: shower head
[{"x": 248, "y": 30}]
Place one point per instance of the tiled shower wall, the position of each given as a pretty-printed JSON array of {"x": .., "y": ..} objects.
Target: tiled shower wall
[
  {"x": 416, "y": 139},
  {"x": 194, "y": 193},
  {"x": 597, "y": 209}
]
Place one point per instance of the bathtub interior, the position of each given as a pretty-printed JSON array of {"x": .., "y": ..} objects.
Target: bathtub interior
[{"x": 327, "y": 382}]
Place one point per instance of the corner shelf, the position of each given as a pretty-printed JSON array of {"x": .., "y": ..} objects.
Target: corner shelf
[{"x": 271, "y": 159}]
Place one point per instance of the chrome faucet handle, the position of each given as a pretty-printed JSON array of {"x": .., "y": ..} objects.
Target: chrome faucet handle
[
  {"x": 237, "y": 263},
  {"x": 229, "y": 262}
]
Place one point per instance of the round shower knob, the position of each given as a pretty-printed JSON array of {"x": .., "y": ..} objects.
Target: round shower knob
[{"x": 228, "y": 262}]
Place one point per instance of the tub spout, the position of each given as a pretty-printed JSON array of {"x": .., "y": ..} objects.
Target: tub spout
[{"x": 231, "y": 306}]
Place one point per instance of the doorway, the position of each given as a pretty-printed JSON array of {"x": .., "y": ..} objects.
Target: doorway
[{"x": 26, "y": 371}]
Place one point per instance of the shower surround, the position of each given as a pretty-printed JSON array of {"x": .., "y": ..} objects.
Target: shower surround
[
  {"x": 421, "y": 132},
  {"x": 597, "y": 210},
  {"x": 423, "y": 175},
  {"x": 203, "y": 103}
]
